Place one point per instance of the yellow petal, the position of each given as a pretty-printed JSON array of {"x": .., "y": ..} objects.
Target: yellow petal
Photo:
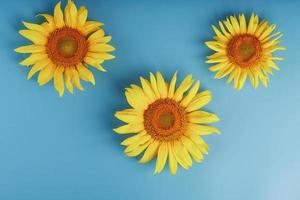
[
  {"x": 191, "y": 94},
  {"x": 36, "y": 27},
  {"x": 147, "y": 89},
  {"x": 67, "y": 15},
  {"x": 76, "y": 79},
  {"x": 261, "y": 28},
  {"x": 215, "y": 46},
  {"x": 172, "y": 161},
  {"x": 237, "y": 74},
  {"x": 224, "y": 31},
  {"x": 243, "y": 25},
  {"x": 235, "y": 24},
  {"x": 242, "y": 80},
  {"x": 33, "y": 58},
  {"x": 96, "y": 35},
  {"x": 162, "y": 156},
  {"x": 68, "y": 79},
  {"x": 73, "y": 14},
  {"x": 224, "y": 71},
  {"x": 34, "y": 36},
  {"x": 102, "y": 48},
  {"x": 186, "y": 155},
  {"x": 139, "y": 149},
  {"x": 172, "y": 85},
  {"x": 200, "y": 100},
  {"x": 129, "y": 116},
  {"x": 267, "y": 32},
  {"x": 130, "y": 128},
  {"x": 145, "y": 138},
  {"x": 100, "y": 56},
  {"x": 219, "y": 34},
  {"x": 202, "y": 117},
  {"x": 154, "y": 85},
  {"x": 161, "y": 85},
  {"x": 220, "y": 59},
  {"x": 91, "y": 26},
  {"x": 58, "y": 16},
  {"x": 82, "y": 17},
  {"x": 46, "y": 74},
  {"x": 31, "y": 49},
  {"x": 183, "y": 87},
  {"x": 176, "y": 146},
  {"x": 133, "y": 139},
  {"x": 94, "y": 63},
  {"x": 150, "y": 152},
  {"x": 200, "y": 143},
  {"x": 229, "y": 26},
  {"x": 85, "y": 74},
  {"x": 105, "y": 39},
  {"x": 137, "y": 98},
  {"x": 49, "y": 18},
  {"x": 198, "y": 129},
  {"x": 59, "y": 80},
  {"x": 37, "y": 67},
  {"x": 192, "y": 149}
]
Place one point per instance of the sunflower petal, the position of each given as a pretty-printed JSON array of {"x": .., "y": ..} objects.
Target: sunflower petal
[
  {"x": 85, "y": 74},
  {"x": 202, "y": 117},
  {"x": 76, "y": 79},
  {"x": 31, "y": 49},
  {"x": 162, "y": 156},
  {"x": 36, "y": 27},
  {"x": 129, "y": 116},
  {"x": 172, "y": 85},
  {"x": 59, "y": 80},
  {"x": 46, "y": 74},
  {"x": 200, "y": 100},
  {"x": 68, "y": 79},
  {"x": 82, "y": 17},
  {"x": 198, "y": 129},
  {"x": 191, "y": 94},
  {"x": 58, "y": 16},
  {"x": 161, "y": 85},
  {"x": 129, "y": 128},
  {"x": 33, "y": 58},
  {"x": 172, "y": 161},
  {"x": 37, "y": 67},
  {"x": 183, "y": 87},
  {"x": 150, "y": 152}
]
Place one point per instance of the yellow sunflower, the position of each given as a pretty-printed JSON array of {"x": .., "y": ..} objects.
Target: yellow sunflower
[
  {"x": 166, "y": 122},
  {"x": 64, "y": 46},
  {"x": 244, "y": 50}
]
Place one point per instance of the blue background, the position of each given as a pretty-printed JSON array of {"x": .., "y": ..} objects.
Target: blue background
[{"x": 64, "y": 148}]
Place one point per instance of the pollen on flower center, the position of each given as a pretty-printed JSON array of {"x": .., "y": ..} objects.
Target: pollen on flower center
[
  {"x": 67, "y": 46},
  {"x": 244, "y": 50},
  {"x": 165, "y": 120}
]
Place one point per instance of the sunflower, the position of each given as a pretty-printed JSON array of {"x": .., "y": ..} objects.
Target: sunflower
[
  {"x": 244, "y": 50},
  {"x": 166, "y": 122},
  {"x": 64, "y": 46}
]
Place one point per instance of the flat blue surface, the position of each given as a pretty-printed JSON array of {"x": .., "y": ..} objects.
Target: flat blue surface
[{"x": 55, "y": 148}]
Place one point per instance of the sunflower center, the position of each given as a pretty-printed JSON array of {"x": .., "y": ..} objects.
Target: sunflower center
[
  {"x": 67, "y": 46},
  {"x": 165, "y": 120},
  {"x": 244, "y": 50}
]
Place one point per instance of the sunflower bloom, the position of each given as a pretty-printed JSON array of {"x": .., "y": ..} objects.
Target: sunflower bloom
[
  {"x": 244, "y": 50},
  {"x": 64, "y": 47},
  {"x": 166, "y": 122}
]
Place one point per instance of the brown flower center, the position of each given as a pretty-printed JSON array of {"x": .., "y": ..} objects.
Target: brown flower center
[
  {"x": 67, "y": 46},
  {"x": 165, "y": 120},
  {"x": 244, "y": 50}
]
